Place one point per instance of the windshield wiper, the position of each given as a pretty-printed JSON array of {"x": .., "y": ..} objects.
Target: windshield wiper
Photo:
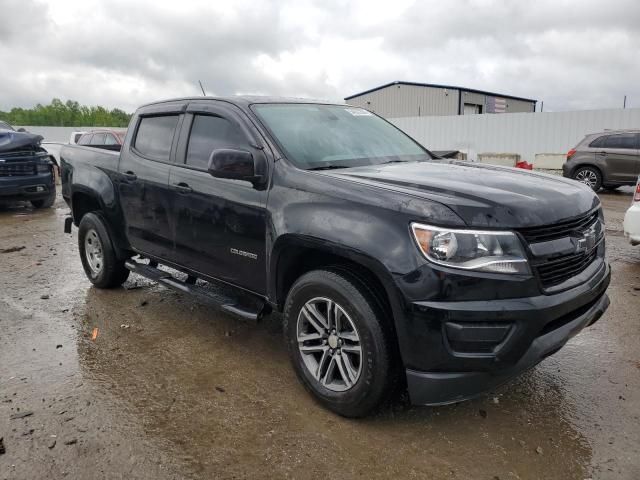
[{"x": 328, "y": 167}]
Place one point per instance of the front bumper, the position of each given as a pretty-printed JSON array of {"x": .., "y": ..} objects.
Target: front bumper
[
  {"x": 532, "y": 329},
  {"x": 30, "y": 187}
]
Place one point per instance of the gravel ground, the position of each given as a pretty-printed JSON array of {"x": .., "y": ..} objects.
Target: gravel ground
[{"x": 171, "y": 389}]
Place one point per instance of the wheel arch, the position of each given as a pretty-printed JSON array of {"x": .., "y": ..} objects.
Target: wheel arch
[
  {"x": 591, "y": 165},
  {"x": 293, "y": 256},
  {"x": 83, "y": 201}
]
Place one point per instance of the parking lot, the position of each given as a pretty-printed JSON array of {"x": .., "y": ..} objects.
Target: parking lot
[{"x": 141, "y": 382}]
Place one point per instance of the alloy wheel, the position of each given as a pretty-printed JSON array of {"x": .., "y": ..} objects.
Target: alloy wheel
[
  {"x": 329, "y": 344},
  {"x": 588, "y": 177}
]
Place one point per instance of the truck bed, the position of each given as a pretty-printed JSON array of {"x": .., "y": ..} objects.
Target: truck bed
[
  {"x": 75, "y": 157},
  {"x": 89, "y": 155}
]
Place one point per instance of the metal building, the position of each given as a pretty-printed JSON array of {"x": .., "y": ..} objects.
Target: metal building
[{"x": 409, "y": 99}]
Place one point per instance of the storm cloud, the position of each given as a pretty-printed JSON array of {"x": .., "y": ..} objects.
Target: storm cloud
[{"x": 117, "y": 53}]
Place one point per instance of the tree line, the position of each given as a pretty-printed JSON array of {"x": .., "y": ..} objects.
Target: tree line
[{"x": 67, "y": 114}]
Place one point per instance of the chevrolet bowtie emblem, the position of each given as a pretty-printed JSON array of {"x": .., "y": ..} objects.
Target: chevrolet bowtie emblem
[
  {"x": 588, "y": 239},
  {"x": 581, "y": 245}
]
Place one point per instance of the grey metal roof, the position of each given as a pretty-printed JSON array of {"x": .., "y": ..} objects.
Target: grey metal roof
[{"x": 433, "y": 85}]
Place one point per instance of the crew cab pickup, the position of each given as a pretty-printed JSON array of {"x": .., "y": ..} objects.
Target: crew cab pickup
[{"x": 391, "y": 267}]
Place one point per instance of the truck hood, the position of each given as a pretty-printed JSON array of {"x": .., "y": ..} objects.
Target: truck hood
[
  {"x": 11, "y": 141},
  {"x": 483, "y": 195}
]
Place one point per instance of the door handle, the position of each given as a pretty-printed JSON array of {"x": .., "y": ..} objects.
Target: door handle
[
  {"x": 130, "y": 176},
  {"x": 182, "y": 187},
  {"x": 602, "y": 153}
]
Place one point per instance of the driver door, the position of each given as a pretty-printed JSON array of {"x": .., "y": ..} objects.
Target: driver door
[{"x": 219, "y": 224}]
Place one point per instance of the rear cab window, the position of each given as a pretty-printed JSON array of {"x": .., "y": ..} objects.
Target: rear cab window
[
  {"x": 85, "y": 139},
  {"x": 155, "y": 136},
  {"x": 98, "y": 139}
]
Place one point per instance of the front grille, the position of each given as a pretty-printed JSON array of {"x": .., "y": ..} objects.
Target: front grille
[
  {"x": 29, "y": 152},
  {"x": 554, "y": 272},
  {"x": 559, "y": 230},
  {"x": 17, "y": 169}
]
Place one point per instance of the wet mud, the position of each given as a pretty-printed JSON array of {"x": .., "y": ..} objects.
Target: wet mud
[{"x": 142, "y": 382}]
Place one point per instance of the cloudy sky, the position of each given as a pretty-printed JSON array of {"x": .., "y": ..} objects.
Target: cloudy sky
[{"x": 577, "y": 54}]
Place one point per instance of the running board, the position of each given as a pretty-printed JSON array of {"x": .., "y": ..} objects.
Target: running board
[{"x": 245, "y": 307}]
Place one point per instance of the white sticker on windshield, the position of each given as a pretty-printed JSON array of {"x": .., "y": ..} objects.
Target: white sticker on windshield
[{"x": 358, "y": 112}]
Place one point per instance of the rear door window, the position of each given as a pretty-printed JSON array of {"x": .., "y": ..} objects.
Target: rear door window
[
  {"x": 155, "y": 136},
  {"x": 209, "y": 133},
  {"x": 111, "y": 140},
  {"x": 623, "y": 140}
]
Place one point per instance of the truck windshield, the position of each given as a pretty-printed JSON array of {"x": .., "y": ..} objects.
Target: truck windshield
[{"x": 336, "y": 136}]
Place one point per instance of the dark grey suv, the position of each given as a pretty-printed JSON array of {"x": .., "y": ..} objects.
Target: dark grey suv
[{"x": 608, "y": 159}]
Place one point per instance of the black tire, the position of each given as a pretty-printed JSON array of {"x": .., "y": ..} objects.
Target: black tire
[
  {"x": 377, "y": 373},
  {"x": 46, "y": 202},
  {"x": 110, "y": 272},
  {"x": 590, "y": 176}
]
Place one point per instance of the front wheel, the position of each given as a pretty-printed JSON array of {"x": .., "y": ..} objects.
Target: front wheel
[
  {"x": 339, "y": 342},
  {"x": 589, "y": 176},
  {"x": 46, "y": 202},
  {"x": 98, "y": 256}
]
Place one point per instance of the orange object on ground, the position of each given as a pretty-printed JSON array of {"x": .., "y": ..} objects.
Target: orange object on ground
[{"x": 94, "y": 334}]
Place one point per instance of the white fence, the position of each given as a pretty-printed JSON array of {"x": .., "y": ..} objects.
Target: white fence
[
  {"x": 526, "y": 134},
  {"x": 57, "y": 134}
]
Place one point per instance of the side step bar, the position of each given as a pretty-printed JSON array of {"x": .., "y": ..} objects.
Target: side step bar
[{"x": 245, "y": 306}]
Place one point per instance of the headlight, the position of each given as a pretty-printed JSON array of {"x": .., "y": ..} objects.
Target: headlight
[
  {"x": 483, "y": 251},
  {"x": 43, "y": 167}
]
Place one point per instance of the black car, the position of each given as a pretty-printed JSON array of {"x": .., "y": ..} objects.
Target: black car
[
  {"x": 26, "y": 169},
  {"x": 391, "y": 267}
]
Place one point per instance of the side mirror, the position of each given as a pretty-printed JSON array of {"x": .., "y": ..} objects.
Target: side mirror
[{"x": 234, "y": 164}]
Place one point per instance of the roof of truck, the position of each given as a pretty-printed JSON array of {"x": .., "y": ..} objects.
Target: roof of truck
[{"x": 247, "y": 100}]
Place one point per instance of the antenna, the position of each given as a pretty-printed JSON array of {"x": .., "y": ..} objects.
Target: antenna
[{"x": 202, "y": 88}]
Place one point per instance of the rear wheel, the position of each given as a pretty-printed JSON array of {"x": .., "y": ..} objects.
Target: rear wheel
[
  {"x": 98, "y": 256},
  {"x": 589, "y": 176},
  {"x": 338, "y": 343}
]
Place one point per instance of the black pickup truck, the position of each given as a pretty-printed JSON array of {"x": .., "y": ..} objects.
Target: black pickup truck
[
  {"x": 391, "y": 268},
  {"x": 26, "y": 169}
]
